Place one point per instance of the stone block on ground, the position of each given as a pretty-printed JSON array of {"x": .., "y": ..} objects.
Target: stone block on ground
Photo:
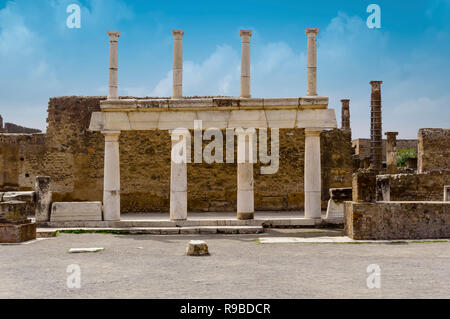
[
  {"x": 197, "y": 248},
  {"x": 85, "y": 250},
  {"x": 12, "y": 233},
  {"x": 76, "y": 211},
  {"x": 338, "y": 196},
  {"x": 19, "y": 196},
  {"x": 14, "y": 212}
]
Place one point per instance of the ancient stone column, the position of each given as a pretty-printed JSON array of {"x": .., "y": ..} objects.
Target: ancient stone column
[
  {"x": 177, "y": 63},
  {"x": 178, "y": 175},
  {"x": 376, "y": 146},
  {"x": 43, "y": 198},
  {"x": 246, "y": 159},
  {"x": 391, "y": 152},
  {"x": 345, "y": 114},
  {"x": 312, "y": 61},
  {"x": 313, "y": 178},
  {"x": 245, "y": 63},
  {"x": 113, "y": 63},
  {"x": 111, "y": 188}
]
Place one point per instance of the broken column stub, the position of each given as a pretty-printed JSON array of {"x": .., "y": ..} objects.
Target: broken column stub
[{"x": 43, "y": 198}]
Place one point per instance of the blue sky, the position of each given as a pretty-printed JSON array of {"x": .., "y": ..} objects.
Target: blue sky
[{"x": 40, "y": 57}]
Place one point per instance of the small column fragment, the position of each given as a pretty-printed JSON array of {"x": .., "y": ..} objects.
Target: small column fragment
[
  {"x": 177, "y": 63},
  {"x": 113, "y": 63},
  {"x": 345, "y": 114},
  {"x": 245, "y": 63},
  {"x": 312, "y": 61}
]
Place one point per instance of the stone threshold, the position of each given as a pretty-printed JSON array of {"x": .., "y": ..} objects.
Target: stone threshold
[
  {"x": 154, "y": 230},
  {"x": 200, "y": 222}
]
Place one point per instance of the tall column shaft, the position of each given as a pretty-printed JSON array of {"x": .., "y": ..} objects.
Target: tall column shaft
[
  {"x": 111, "y": 187},
  {"x": 245, "y": 192},
  {"x": 177, "y": 63},
  {"x": 245, "y": 63},
  {"x": 313, "y": 178},
  {"x": 391, "y": 152},
  {"x": 113, "y": 63},
  {"x": 345, "y": 114},
  {"x": 376, "y": 146},
  {"x": 312, "y": 61},
  {"x": 178, "y": 177}
]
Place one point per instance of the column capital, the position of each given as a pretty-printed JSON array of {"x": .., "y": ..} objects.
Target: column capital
[
  {"x": 312, "y": 32},
  {"x": 391, "y": 134},
  {"x": 376, "y": 84},
  {"x": 245, "y": 33},
  {"x": 313, "y": 131},
  {"x": 178, "y": 34},
  {"x": 345, "y": 102},
  {"x": 111, "y": 136},
  {"x": 113, "y": 35}
]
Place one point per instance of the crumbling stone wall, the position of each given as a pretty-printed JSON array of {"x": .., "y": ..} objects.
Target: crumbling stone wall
[
  {"x": 73, "y": 158},
  {"x": 397, "y": 220},
  {"x": 433, "y": 150}
]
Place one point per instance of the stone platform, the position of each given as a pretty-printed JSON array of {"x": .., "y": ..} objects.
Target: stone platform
[{"x": 197, "y": 223}]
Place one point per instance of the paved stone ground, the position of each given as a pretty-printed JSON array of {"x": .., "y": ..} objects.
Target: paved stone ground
[{"x": 144, "y": 266}]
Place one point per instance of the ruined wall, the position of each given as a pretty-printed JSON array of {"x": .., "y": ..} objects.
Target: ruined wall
[
  {"x": 16, "y": 173},
  {"x": 427, "y": 186},
  {"x": 397, "y": 220},
  {"x": 362, "y": 146},
  {"x": 17, "y": 129},
  {"x": 433, "y": 150},
  {"x": 73, "y": 157}
]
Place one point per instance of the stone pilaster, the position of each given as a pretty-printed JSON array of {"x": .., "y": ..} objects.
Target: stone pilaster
[
  {"x": 111, "y": 188},
  {"x": 313, "y": 177},
  {"x": 312, "y": 61},
  {"x": 345, "y": 114},
  {"x": 43, "y": 198},
  {"x": 245, "y": 63},
  {"x": 113, "y": 63},
  {"x": 177, "y": 63},
  {"x": 391, "y": 152}
]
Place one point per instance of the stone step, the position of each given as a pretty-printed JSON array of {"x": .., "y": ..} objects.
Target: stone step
[
  {"x": 45, "y": 233},
  {"x": 159, "y": 230},
  {"x": 203, "y": 222}
]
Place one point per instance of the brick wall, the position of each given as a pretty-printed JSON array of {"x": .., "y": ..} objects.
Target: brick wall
[{"x": 433, "y": 150}]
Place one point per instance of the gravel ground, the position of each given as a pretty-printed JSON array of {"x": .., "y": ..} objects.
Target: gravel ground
[{"x": 145, "y": 266}]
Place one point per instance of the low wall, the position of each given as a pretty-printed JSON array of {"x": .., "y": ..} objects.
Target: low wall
[
  {"x": 397, "y": 220},
  {"x": 417, "y": 187}
]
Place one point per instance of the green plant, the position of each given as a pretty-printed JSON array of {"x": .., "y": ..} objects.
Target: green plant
[{"x": 403, "y": 155}]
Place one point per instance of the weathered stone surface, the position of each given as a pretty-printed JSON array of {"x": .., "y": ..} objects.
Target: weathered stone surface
[
  {"x": 433, "y": 150},
  {"x": 335, "y": 207},
  {"x": 1, "y": 196},
  {"x": 397, "y": 220},
  {"x": 11, "y": 233},
  {"x": 197, "y": 248},
  {"x": 341, "y": 194},
  {"x": 364, "y": 186},
  {"x": 13, "y": 212},
  {"x": 383, "y": 188},
  {"x": 447, "y": 193},
  {"x": 76, "y": 211},
  {"x": 43, "y": 198},
  {"x": 19, "y": 196}
]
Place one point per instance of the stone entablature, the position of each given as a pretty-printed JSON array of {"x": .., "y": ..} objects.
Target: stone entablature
[{"x": 163, "y": 114}]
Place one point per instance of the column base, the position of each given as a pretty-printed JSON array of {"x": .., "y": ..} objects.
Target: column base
[{"x": 245, "y": 216}]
